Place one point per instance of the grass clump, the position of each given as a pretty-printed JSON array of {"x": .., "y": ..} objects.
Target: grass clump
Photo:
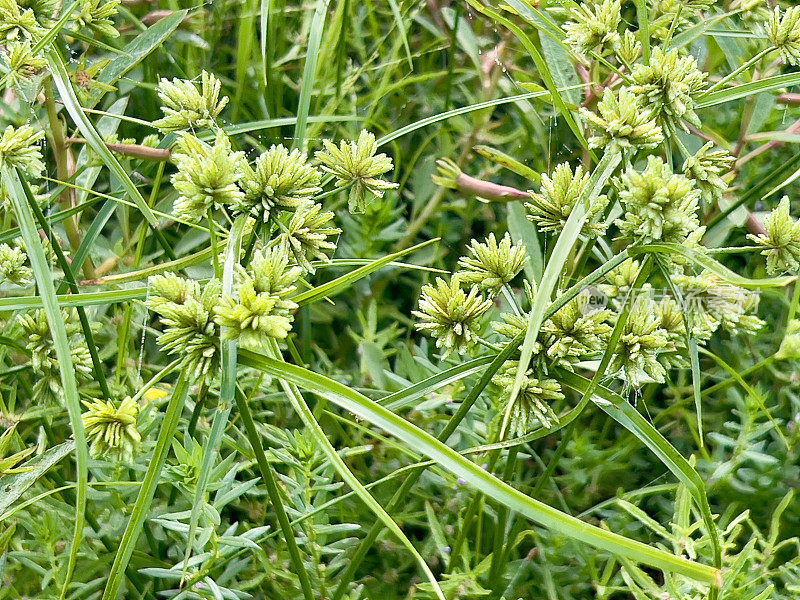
[{"x": 399, "y": 300}]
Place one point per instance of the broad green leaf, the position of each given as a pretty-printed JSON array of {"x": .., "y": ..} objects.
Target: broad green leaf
[
  {"x": 509, "y": 162},
  {"x": 522, "y": 230},
  {"x": 687, "y": 37}
]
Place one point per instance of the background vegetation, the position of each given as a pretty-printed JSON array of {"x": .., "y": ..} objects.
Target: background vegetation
[{"x": 431, "y": 80}]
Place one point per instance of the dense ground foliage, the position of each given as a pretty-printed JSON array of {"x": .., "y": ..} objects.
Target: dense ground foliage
[{"x": 374, "y": 300}]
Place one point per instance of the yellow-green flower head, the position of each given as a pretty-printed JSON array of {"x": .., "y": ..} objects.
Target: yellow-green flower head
[
  {"x": 46, "y": 11},
  {"x": 44, "y": 363},
  {"x": 111, "y": 430},
  {"x": 252, "y": 318},
  {"x": 784, "y": 33},
  {"x": 659, "y": 205},
  {"x": 621, "y": 279},
  {"x": 711, "y": 303},
  {"x": 559, "y": 194},
  {"x": 19, "y": 149},
  {"x": 272, "y": 274},
  {"x": 492, "y": 265},
  {"x": 21, "y": 63},
  {"x": 669, "y": 84},
  {"x": 169, "y": 287},
  {"x": 532, "y": 402},
  {"x": 636, "y": 357},
  {"x": 575, "y": 332},
  {"x": 594, "y": 25},
  {"x": 96, "y": 15},
  {"x": 263, "y": 308},
  {"x": 630, "y": 48},
  {"x": 706, "y": 168},
  {"x": 781, "y": 240},
  {"x": 623, "y": 122},
  {"x": 187, "y": 314},
  {"x": 186, "y": 107},
  {"x": 207, "y": 176},
  {"x": 306, "y": 235},
  {"x": 280, "y": 180},
  {"x": 356, "y": 164},
  {"x": 18, "y": 23},
  {"x": 790, "y": 346},
  {"x": 12, "y": 266},
  {"x": 451, "y": 316},
  {"x": 672, "y": 322}
]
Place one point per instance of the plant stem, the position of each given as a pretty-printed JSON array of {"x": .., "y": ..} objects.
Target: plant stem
[
  {"x": 730, "y": 76},
  {"x": 62, "y": 168},
  {"x": 274, "y": 494}
]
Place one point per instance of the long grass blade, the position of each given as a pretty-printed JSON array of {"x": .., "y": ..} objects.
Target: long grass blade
[
  {"x": 474, "y": 475},
  {"x": 148, "y": 489},
  {"x": 226, "y": 394},
  {"x": 345, "y": 281},
  {"x": 300, "y": 406},
  {"x": 626, "y": 415},
  {"x": 44, "y": 279},
  {"x": 745, "y": 90},
  {"x": 558, "y": 258},
  {"x": 309, "y": 72},
  {"x": 398, "y": 19},
  {"x": 704, "y": 260},
  {"x": 406, "y": 129},
  {"x": 70, "y": 300}
]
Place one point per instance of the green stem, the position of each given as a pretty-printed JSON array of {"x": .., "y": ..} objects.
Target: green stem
[
  {"x": 62, "y": 169},
  {"x": 97, "y": 366},
  {"x": 502, "y": 516},
  {"x": 722, "y": 385},
  {"x": 795, "y": 302},
  {"x": 274, "y": 494},
  {"x": 122, "y": 349},
  {"x": 730, "y": 76},
  {"x": 148, "y": 489},
  {"x": 212, "y": 226}
]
